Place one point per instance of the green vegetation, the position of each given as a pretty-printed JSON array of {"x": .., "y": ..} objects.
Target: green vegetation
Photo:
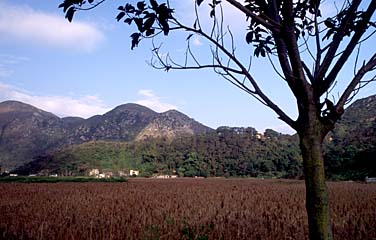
[
  {"x": 229, "y": 152},
  {"x": 350, "y": 149},
  {"x": 43, "y": 179}
]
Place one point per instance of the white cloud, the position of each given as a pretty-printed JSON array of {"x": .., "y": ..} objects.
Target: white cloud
[
  {"x": 24, "y": 24},
  {"x": 11, "y": 59},
  {"x": 146, "y": 93},
  {"x": 153, "y": 101},
  {"x": 63, "y": 106}
]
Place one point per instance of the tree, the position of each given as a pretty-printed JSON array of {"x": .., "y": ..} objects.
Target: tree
[{"x": 311, "y": 51}]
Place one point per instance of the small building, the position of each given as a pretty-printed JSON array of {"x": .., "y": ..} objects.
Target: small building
[
  {"x": 101, "y": 175},
  {"x": 260, "y": 136},
  {"x": 370, "y": 180},
  {"x": 108, "y": 174},
  {"x": 134, "y": 172},
  {"x": 13, "y": 175},
  {"x": 166, "y": 176},
  {"x": 122, "y": 174},
  {"x": 94, "y": 172}
]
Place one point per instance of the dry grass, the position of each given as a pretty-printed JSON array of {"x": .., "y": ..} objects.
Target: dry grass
[{"x": 179, "y": 209}]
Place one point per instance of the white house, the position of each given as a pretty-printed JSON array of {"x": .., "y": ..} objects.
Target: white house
[
  {"x": 94, "y": 172},
  {"x": 166, "y": 176},
  {"x": 101, "y": 175},
  {"x": 370, "y": 180},
  {"x": 134, "y": 172}
]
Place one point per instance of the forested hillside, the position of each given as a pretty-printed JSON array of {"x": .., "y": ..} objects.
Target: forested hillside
[
  {"x": 351, "y": 148},
  {"x": 225, "y": 152},
  {"x": 172, "y": 143}
]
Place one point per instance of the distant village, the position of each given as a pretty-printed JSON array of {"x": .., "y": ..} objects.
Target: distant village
[
  {"x": 97, "y": 173},
  {"x": 132, "y": 173}
]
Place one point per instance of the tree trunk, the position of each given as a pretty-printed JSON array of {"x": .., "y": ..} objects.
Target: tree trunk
[{"x": 317, "y": 205}]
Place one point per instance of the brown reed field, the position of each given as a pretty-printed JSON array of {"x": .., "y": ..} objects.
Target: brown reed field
[{"x": 179, "y": 209}]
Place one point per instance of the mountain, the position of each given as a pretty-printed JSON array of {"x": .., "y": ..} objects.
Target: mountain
[
  {"x": 359, "y": 119},
  {"x": 350, "y": 148},
  {"x": 123, "y": 123},
  {"x": 171, "y": 124},
  {"x": 27, "y": 132}
]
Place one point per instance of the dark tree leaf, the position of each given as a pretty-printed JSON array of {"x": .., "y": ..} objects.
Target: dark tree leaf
[
  {"x": 121, "y": 8},
  {"x": 141, "y": 6},
  {"x": 199, "y": 2},
  {"x": 139, "y": 22},
  {"x": 165, "y": 27},
  {"x": 328, "y": 34},
  {"x": 120, "y": 16},
  {"x": 149, "y": 23},
  {"x": 150, "y": 32},
  {"x": 249, "y": 37},
  {"x": 135, "y": 39},
  {"x": 70, "y": 14},
  {"x": 128, "y": 20},
  {"x": 164, "y": 12},
  {"x": 154, "y": 4},
  {"x": 267, "y": 49},
  {"x": 212, "y": 13},
  {"x": 65, "y": 5},
  {"x": 262, "y": 51},
  {"x": 90, "y": 1},
  {"x": 129, "y": 8},
  {"x": 257, "y": 51},
  {"x": 329, "y": 23},
  {"x": 268, "y": 40}
]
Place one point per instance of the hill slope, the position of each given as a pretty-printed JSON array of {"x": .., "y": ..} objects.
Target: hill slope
[
  {"x": 27, "y": 132},
  {"x": 351, "y": 147}
]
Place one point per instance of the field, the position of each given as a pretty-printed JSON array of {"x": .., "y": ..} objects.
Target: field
[{"x": 179, "y": 209}]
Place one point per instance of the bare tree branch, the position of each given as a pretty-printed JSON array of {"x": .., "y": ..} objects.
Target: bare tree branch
[
  {"x": 93, "y": 5},
  {"x": 334, "y": 45},
  {"x": 369, "y": 66},
  {"x": 297, "y": 82},
  {"x": 319, "y": 51},
  {"x": 264, "y": 20},
  {"x": 359, "y": 32}
]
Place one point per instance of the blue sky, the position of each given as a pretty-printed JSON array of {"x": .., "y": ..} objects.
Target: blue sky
[{"x": 86, "y": 68}]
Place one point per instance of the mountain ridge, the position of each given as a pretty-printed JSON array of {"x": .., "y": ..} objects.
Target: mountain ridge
[{"x": 27, "y": 131}]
